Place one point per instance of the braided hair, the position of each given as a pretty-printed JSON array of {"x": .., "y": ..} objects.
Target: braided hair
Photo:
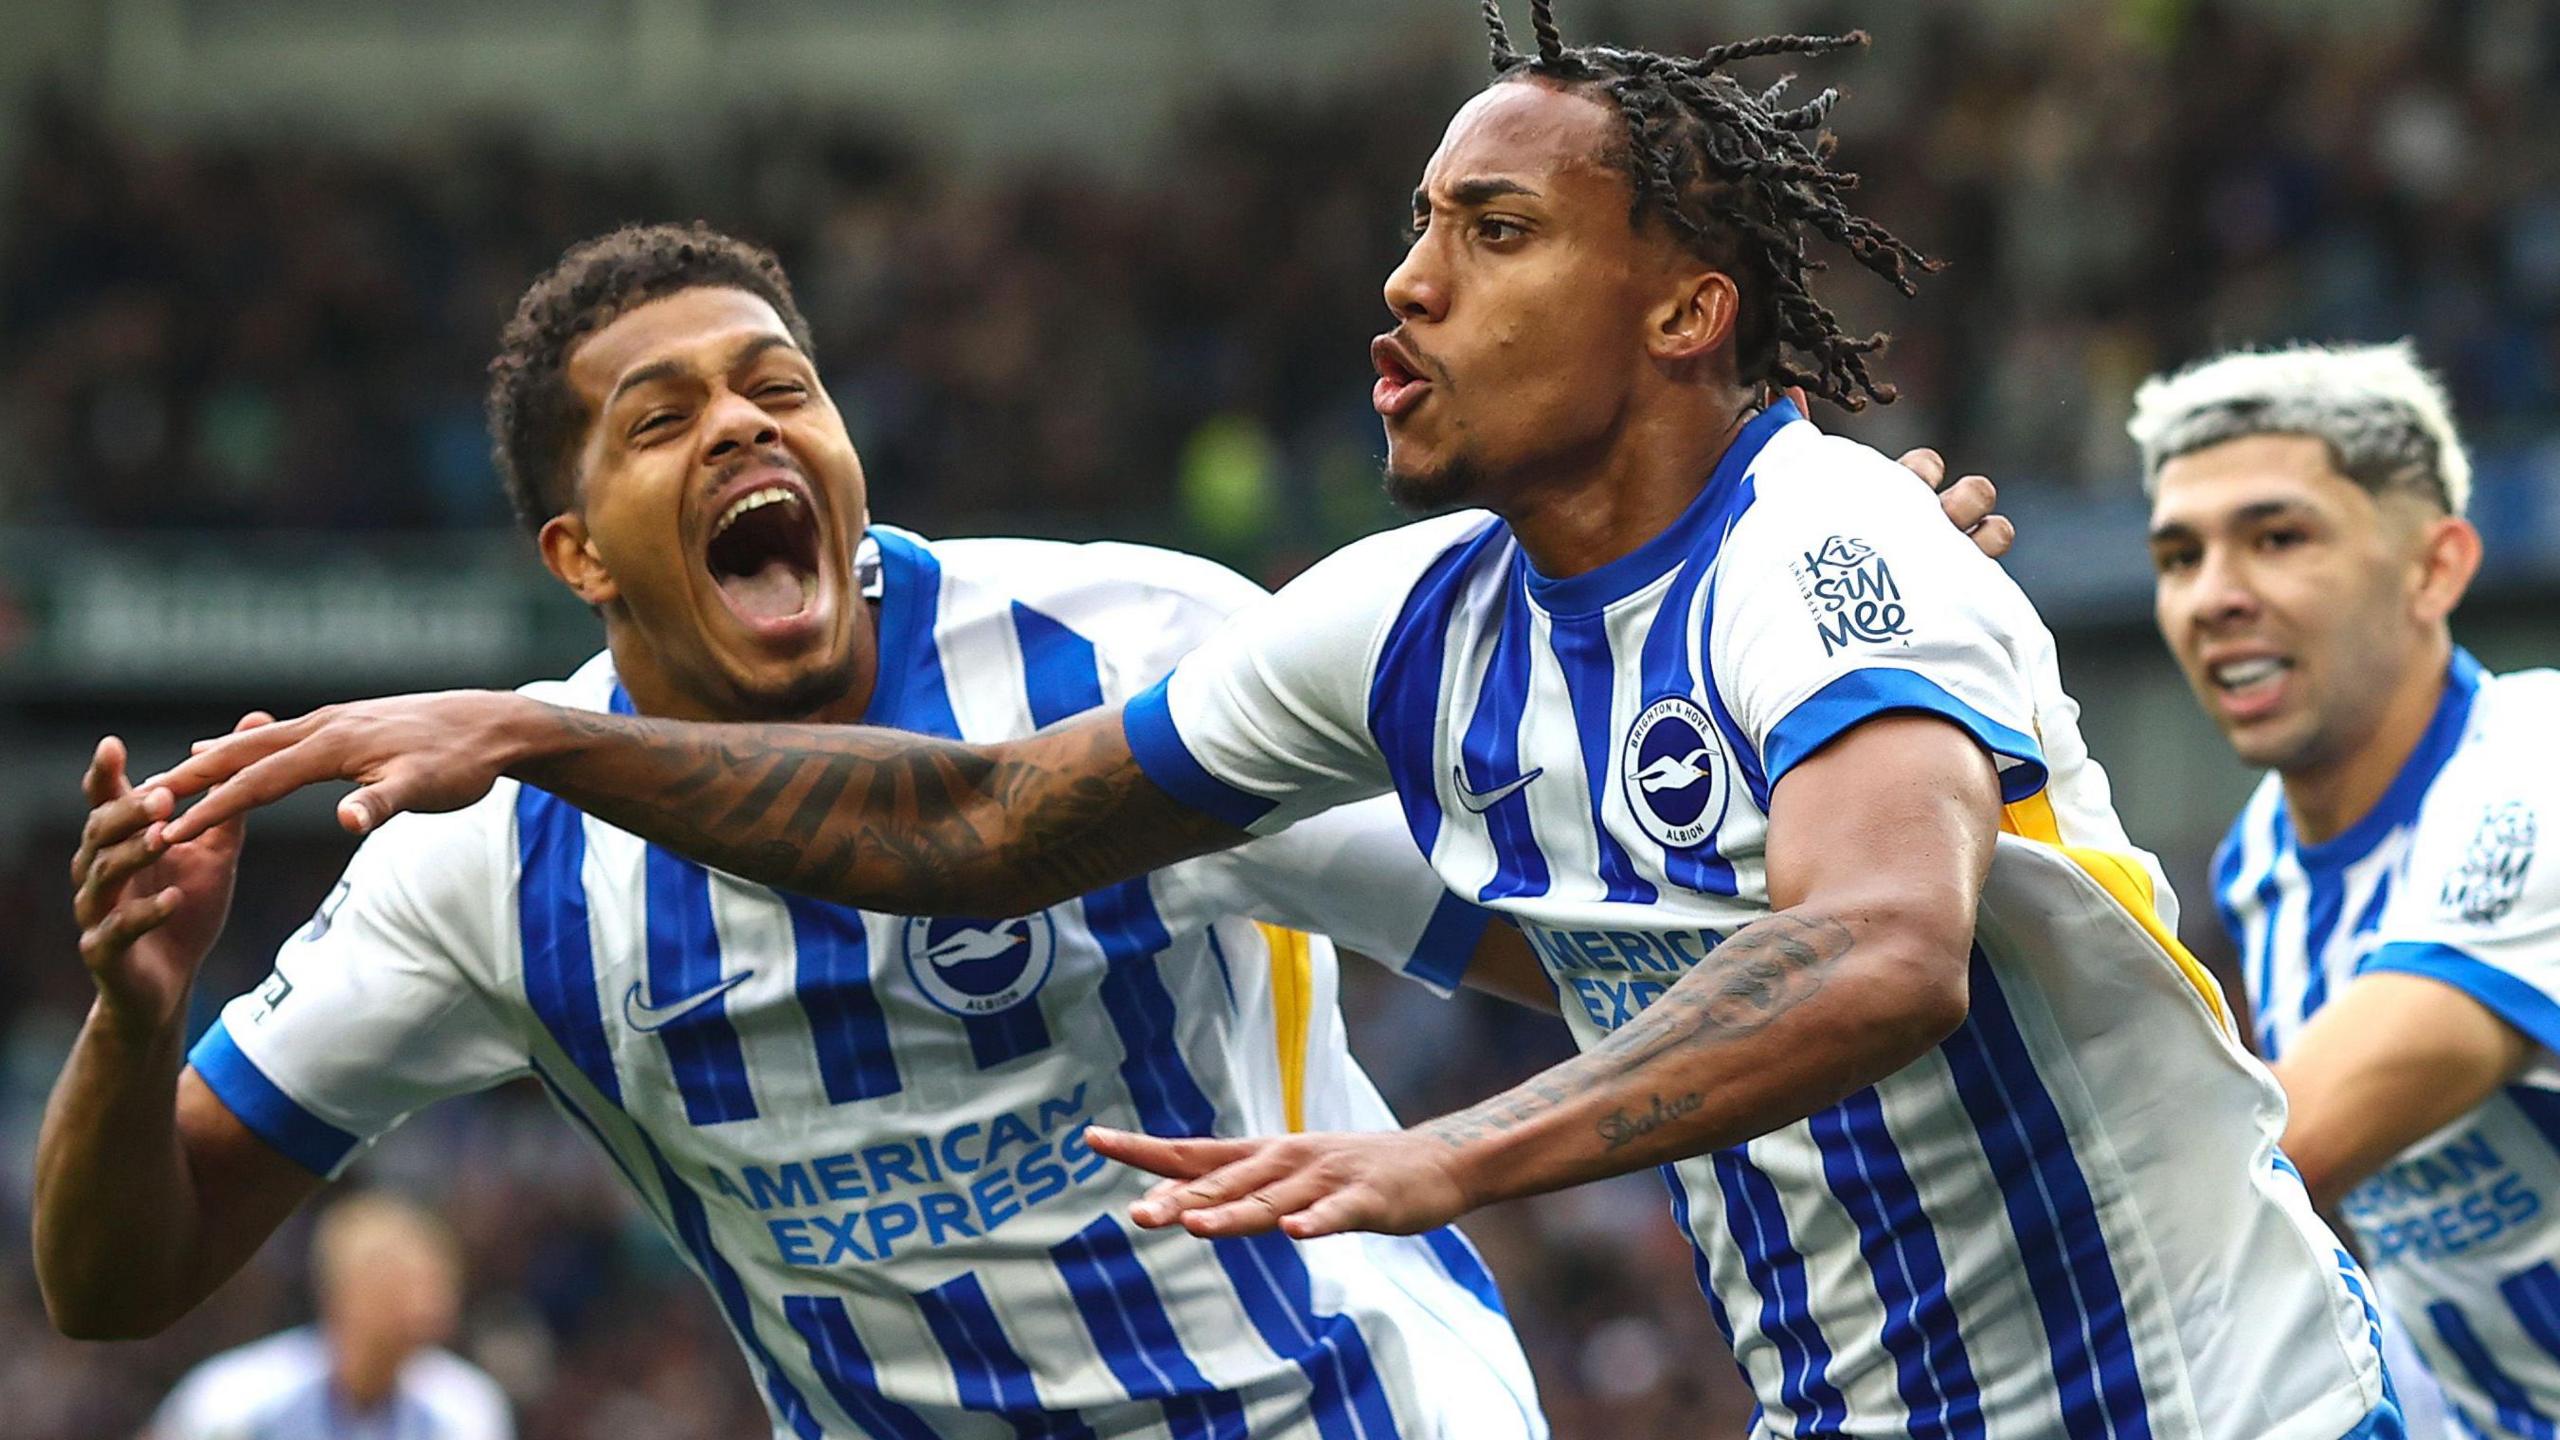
[{"x": 1737, "y": 181}]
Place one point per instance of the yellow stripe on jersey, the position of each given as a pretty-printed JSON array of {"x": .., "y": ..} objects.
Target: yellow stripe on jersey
[
  {"x": 1293, "y": 986},
  {"x": 2126, "y": 880}
]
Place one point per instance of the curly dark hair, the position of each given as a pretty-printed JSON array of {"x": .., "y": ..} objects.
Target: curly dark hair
[
  {"x": 1733, "y": 176},
  {"x": 535, "y": 419}
]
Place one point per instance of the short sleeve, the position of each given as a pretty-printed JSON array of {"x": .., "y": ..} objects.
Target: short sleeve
[
  {"x": 1845, "y": 596},
  {"x": 1353, "y": 874},
  {"x": 384, "y": 1002},
  {"x": 2479, "y": 907},
  {"x": 1267, "y": 722}
]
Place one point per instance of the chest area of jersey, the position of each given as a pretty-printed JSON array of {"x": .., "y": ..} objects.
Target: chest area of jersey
[
  {"x": 1585, "y": 782},
  {"x": 2305, "y": 931},
  {"x": 2476, "y": 1197}
]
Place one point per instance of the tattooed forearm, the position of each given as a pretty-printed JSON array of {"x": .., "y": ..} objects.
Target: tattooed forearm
[
  {"x": 880, "y": 818},
  {"x": 1646, "y": 1087}
]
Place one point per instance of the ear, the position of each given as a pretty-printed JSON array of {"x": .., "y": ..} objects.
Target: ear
[
  {"x": 1698, "y": 316},
  {"x": 2448, "y": 557},
  {"x": 569, "y": 553}
]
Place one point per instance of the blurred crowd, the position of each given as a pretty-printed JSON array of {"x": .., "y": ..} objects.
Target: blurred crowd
[{"x": 283, "y": 334}]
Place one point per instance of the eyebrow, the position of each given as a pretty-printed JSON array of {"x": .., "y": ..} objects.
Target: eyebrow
[
  {"x": 1474, "y": 192},
  {"x": 2255, "y": 513},
  {"x": 658, "y": 370}
]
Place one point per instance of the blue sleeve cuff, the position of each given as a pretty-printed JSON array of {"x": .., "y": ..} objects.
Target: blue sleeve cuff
[
  {"x": 1863, "y": 695},
  {"x": 271, "y": 1115},
  {"x": 1168, "y": 762},
  {"x": 2509, "y": 998},
  {"x": 1448, "y": 943}
]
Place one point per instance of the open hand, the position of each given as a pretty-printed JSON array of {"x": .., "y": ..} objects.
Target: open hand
[
  {"x": 1395, "y": 1182},
  {"x": 407, "y": 752},
  {"x": 149, "y": 907}
]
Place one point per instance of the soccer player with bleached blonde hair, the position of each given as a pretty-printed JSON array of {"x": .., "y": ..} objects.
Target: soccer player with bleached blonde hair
[{"x": 2399, "y": 934}]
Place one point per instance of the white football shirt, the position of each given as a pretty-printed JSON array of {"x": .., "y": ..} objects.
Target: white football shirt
[
  {"x": 866, "y": 1131},
  {"x": 2442, "y": 879},
  {"x": 2068, "y": 1219},
  {"x": 279, "y": 1389}
]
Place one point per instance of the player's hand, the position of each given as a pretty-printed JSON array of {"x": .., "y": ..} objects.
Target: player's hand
[
  {"x": 149, "y": 908},
  {"x": 1968, "y": 503},
  {"x": 407, "y": 752},
  {"x": 1395, "y": 1182}
]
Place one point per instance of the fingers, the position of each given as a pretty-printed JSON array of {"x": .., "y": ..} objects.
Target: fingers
[
  {"x": 1994, "y": 536},
  {"x": 105, "y": 778},
  {"x": 1230, "y": 1200},
  {"x": 1179, "y": 1159},
  {"x": 1968, "y": 502},
  {"x": 268, "y": 780},
  {"x": 112, "y": 822},
  {"x": 1929, "y": 465},
  {"x": 368, "y": 807},
  {"x": 1796, "y": 393},
  {"x": 127, "y": 923},
  {"x": 215, "y": 761},
  {"x": 109, "y": 868}
]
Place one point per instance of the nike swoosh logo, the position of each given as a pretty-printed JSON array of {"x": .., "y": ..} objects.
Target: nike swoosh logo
[
  {"x": 1480, "y": 803},
  {"x": 644, "y": 1016}
]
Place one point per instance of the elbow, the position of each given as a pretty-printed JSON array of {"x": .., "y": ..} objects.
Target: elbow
[
  {"x": 93, "y": 1317},
  {"x": 1921, "y": 992}
]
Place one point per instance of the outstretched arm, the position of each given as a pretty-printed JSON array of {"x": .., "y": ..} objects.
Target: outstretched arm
[
  {"x": 1877, "y": 852},
  {"x": 865, "y": 816}
]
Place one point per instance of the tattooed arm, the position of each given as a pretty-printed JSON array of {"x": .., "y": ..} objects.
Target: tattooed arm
[
  {"x": 1877, "y": 852},
  {"x": 864, "y": 816}
]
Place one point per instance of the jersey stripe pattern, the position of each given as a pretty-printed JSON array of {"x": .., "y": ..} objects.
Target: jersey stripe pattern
[
  {"x": 2440, "y": 878},
  {"x": 865, "y": 1131},
  {"x": 2069, "y": 1218}
]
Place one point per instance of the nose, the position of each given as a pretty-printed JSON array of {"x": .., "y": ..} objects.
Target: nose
[
  {"x": 2221, "y": 593},
  {"x": 736, "y": 424},
  {"x": 1416, "y": 290}
]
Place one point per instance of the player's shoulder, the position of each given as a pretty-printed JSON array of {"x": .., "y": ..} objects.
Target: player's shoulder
[
  {"x": 1385, "y": 567},
  {"x": 2506, "y": 751},
  {"x": 589, "y": 687},
  {"x": 1804, "y": 478},
  {"x": 1069, "y": 576}
]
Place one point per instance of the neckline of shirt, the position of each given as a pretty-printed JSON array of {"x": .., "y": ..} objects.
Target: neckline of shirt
[
  {"x": 1596, "y": 590},
  {"x": 2399, "y": 804}
]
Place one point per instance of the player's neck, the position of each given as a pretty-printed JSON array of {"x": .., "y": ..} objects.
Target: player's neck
[
  {"x": 2325, "y": 801},
  {"x": 1587, "y": 513},
  {"x": 363, "y": 1376},
  {"x": 655, "y": 692}
]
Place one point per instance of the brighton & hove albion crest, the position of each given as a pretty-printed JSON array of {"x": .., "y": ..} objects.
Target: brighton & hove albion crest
[
  {"x": 978, "y": 967},
  {"x": 1675, "y": 773},
  {"x": 2490, "y": 879}
]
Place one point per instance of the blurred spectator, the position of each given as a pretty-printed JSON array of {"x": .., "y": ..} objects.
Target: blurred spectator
[{"x": 388, "y": 1277}]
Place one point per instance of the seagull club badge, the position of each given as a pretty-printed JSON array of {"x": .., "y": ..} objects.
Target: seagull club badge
[
  {"x": 978, "y": 967},
  {"x": 1675, "y": 775}
]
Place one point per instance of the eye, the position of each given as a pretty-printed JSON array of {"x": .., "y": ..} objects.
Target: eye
[
  {"x": 781, "y": 390},
  {"x": 1494, "y": 230},
  {"x": 2283, "y": 537},
  {"x": 653, "y": 424},
  {"x": 2175, "y": 561}
]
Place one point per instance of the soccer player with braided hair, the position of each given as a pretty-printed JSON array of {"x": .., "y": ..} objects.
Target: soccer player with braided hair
[{"x": 1773, "y": 769}]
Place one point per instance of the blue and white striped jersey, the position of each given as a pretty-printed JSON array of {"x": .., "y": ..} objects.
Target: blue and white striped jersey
[
  {"x": 2440, "y": 879},
  {"x": 866, "y": 1131},
  {"x": 2071, "y": 1217}
]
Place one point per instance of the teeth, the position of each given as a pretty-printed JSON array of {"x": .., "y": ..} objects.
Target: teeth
[
  {"x": 754, "y": 500},
  {"x": 2239, "y": 673}
]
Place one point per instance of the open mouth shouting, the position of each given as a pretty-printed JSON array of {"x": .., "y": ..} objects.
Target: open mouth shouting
[
  {"x": 2247, "y": 686},
  {"x": 763, "y": 554}
]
